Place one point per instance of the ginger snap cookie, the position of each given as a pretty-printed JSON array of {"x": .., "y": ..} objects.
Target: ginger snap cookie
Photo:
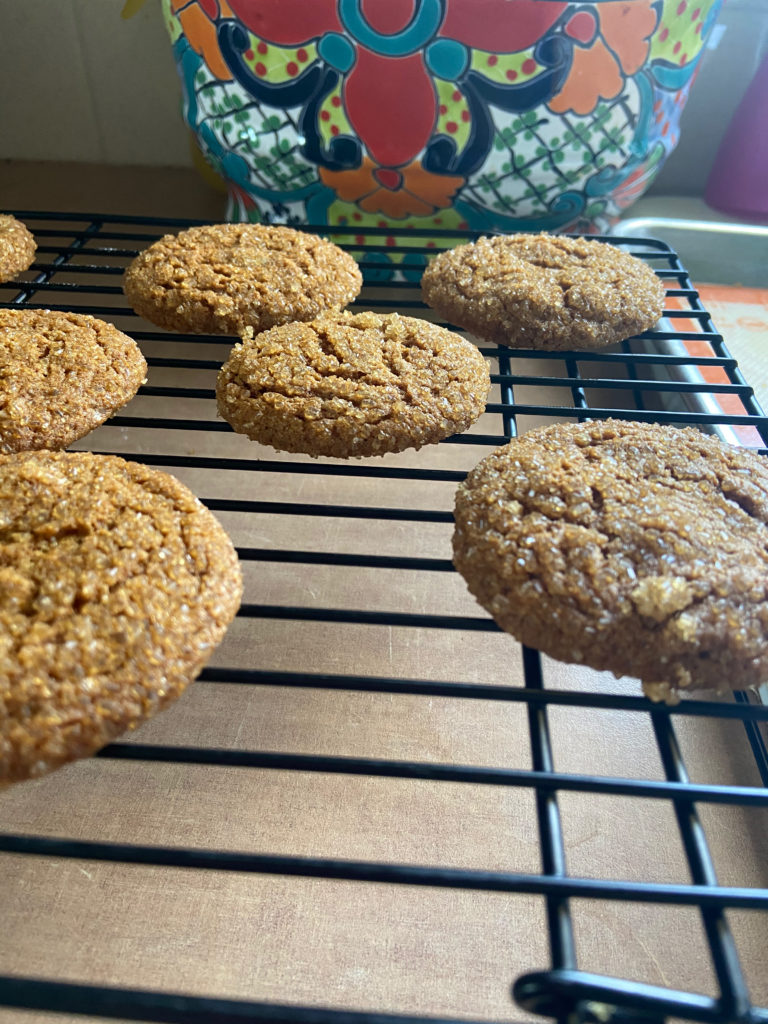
[
  {"x": 222, "y": 278},
  {"x": 632, "y": 547},
  {"x": 17, "y": 247},
  {"x": 61, "y": 375},
  {"x": 544, "y": 291},
  {"x": 116, "y": 585},
  {"x": 352, "y": 385}
]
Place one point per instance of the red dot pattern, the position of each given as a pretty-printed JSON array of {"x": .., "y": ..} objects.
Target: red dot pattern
[
  {"x": 582, "y": 27},
  {"x": 262, "y": 47},
  {"x": 529, "y": 66}
]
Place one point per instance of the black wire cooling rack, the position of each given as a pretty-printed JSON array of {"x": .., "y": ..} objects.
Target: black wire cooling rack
[{"x": 658, "y": 376}]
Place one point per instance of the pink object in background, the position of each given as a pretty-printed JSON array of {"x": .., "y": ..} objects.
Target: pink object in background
[{"x": 738, "y": 182}]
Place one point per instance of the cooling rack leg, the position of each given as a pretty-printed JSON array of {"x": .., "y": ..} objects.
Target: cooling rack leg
[{"x": 734, "y": 995}]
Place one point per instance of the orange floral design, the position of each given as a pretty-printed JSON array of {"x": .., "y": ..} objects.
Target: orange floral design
[
  {"x": 201, "y": 34},
  {"x": 627, "y": 29},
  {"x": 409, "y": 191},
  {"x": 594, "y": 75},
  {"x": 619, "y": 48}
]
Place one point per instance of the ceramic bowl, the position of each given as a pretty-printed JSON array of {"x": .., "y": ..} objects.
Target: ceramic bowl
[{"x": 437, "y": 114}]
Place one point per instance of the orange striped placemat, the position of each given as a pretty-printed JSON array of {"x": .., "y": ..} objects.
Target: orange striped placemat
[{"x": 741, "y": 316}]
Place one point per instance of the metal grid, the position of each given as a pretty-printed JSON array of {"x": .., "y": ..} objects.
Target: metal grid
[{"x": 643, "y": 379}]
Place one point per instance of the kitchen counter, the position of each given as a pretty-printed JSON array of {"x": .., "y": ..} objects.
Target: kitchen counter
[{"x": 101, "y": 188}]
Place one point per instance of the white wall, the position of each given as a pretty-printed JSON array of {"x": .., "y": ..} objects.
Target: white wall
[
  {"x": 79, "y": 83},
  {"x": 723, "y": 78}
]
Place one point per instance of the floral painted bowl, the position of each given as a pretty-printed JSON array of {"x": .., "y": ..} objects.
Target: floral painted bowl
[{"x": 437, "y": 114}]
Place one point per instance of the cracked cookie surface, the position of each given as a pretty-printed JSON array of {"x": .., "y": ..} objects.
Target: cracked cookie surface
[
  {"x": 637, "y": 548},
  {"x": 544, "y": 291},
  {"x": 17, "y": 247},
  {"x": 61, "y": 376},
  {"x": 353, "y": 385},
  {"x": 222, "y": 278},
  {"x": 116, "y": 584}
]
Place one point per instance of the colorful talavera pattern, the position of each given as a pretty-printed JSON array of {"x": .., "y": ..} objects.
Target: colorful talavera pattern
[{"x": 488, "y": 114}]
